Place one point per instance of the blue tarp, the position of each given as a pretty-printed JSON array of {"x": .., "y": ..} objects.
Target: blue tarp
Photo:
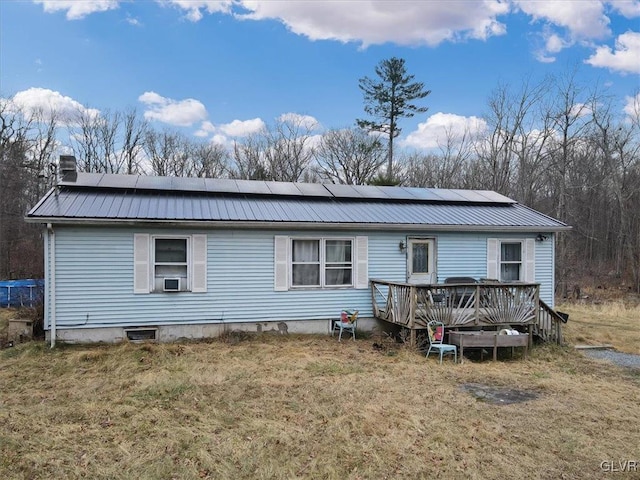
[{"x": 21, "y": 293}]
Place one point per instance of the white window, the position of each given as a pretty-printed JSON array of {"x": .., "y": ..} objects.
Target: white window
[
  {"x": 322, "y": 262},
  {"x": 511, "y": 260},
  {"x": 330, "y": 262},
  {"x": 164, "y": 263},
  {"x": 170, "y": 264}
]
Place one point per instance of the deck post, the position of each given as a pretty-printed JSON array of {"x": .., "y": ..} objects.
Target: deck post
[
  {"x": 412, "y": 315},
  {"x": 477, "y": 301}
]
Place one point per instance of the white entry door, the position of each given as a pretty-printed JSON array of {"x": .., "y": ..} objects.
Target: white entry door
[{"x": 421, "y": 265}]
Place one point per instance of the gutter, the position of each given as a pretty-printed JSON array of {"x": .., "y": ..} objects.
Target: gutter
[
  {"x": 271, "y": 225},
  {"x": 51, "y": 281}
]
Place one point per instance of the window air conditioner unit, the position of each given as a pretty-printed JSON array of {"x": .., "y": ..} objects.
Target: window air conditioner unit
[{"x": 171, "y": 284}]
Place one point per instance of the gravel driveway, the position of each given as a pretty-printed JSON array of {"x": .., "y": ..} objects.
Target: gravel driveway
[{"x": 619, "y": 358}]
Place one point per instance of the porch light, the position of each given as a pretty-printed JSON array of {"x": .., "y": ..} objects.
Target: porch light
[
  {"x": 541, "y": 238},
  {"x": 402, "y": 246}
]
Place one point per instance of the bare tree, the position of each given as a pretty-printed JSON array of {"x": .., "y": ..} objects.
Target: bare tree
[
  {"x": 616, "y": 147},
  {"x": 134, "y": 130},
  {"x": 109, "y": 141},
  {"x": 569, "y": 117},
  {"x": 248, "y": 159},
  {"x": 167, "y": 153},
  {"x": 281, "y": 152},
  {"x": 208, "y": 160},
  {"x": 27, "y": 141},
  {"x": 511, "y": 124},
  {"x": 175, "y": 155},
  {"x": 349, "y": 156},
  {"x": 288, "y": 148}
]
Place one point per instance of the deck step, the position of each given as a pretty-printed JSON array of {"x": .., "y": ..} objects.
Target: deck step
[{"x": 594, "y": 347}]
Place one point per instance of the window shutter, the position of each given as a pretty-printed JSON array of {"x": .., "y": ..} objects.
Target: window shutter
[
  {"x": 362, "y": 262},
  {"x": 493, "y": 258},
  {"x": 281, "y": 263},
  {"x": 529, "y": 260},
  {"x": 141, "y": 250},
  {"x": 199, "y": 263}
]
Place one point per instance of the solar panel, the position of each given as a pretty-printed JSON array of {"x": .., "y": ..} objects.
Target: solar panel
[
  {"x": 222, "y": 185},
  {"x": 153, "y": 183},
  {"x": 368, "y": 191},
  {"x": 427, "y": 194},
  {"x": 112, "y": 180},
  {"x": 85, "y": 180},
  {"x": 343, "y": 191},
  {"x": 449, "y": 195},
  {"x": 252, "y": 187},
  {"x": 283, "y": 188},
  {"x": 495, "y": 197},
  {"x": 313, "y": 189},
  {"x": 394, "y": 193},
  {"x": 189, "y": 184}
]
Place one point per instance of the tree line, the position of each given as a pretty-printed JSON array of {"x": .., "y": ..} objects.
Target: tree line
[{"x": 556, "y": 145}]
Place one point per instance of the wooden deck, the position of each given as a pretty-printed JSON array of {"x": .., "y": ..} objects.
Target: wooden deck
[{"x": 487, "y": 304}]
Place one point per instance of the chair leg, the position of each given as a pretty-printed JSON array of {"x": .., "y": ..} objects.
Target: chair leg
[{"x": 340, "y": 336}]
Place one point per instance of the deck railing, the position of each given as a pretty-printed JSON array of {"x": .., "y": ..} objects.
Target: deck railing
[
  {"x": 549, "y": 324},
  {"x": 462, "y": 305}
]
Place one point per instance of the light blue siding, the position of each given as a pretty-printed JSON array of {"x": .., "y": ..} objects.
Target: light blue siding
[
  {"x": 462, "y": 255},
  {"x": 545, "y": 266},
  {"x": 94, "y": 277}
]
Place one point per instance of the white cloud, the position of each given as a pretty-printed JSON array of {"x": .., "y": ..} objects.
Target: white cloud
[
  {"x": 304, "y": 121},
  {"x": 236, "y": 128},
  {"x": 133, "y": 21},
  {"x": 220, "y": 140},
  {"x": 553, "y": 44},
  {"x": 194, "y": 7},
  {"x": 566, "y": 23},
  {"x": 242, "y": 128},
  {"x": 205, "y": 129},
  {"x": 440, "y": 128},
  {"x": 583, "y": 19},
  {"x": 48, "y": 103},
  {"x": 623, "y": 59},
  {"x": 403, "y": 22},
  {"x": 77, "y": 9},
  {"x": 632, "y": 106},
  {"x": 629, "y": 9},
  {"x": 182, "y": 113}
]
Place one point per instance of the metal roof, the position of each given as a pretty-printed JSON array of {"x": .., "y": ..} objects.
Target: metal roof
[{"x": 101, "y": 198}]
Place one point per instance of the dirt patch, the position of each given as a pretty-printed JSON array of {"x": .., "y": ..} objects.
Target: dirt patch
[{"x": 498, "y": 395}]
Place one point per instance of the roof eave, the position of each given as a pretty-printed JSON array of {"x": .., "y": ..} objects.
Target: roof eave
[{"x": 270, "y": 225}]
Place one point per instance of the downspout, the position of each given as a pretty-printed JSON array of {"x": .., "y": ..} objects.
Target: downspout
[{"x": 52, "y": 282}]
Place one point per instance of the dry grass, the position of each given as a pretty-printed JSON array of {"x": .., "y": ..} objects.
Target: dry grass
[
  {"x": 306, "y": 407},
  {"x": 613, "y": 323}
]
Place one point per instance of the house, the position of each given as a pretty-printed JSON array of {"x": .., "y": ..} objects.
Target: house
[{"x": 130, "y": 256}]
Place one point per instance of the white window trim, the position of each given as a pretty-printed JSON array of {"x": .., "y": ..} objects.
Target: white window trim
[
  {"x": 144, "y": 264},
  {"x": 511, "y": 262},
  {"x": 527, "y": 258},
  {"x": 322, "y": 263},
  {"x": 153, "y": 264}
]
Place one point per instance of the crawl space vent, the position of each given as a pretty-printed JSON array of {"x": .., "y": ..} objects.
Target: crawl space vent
[{"x": 142, "y": 334}]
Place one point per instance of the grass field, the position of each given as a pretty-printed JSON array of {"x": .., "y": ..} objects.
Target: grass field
[
  {"x": 610, "y": 323},
  {"x": 310, "y": 407}
]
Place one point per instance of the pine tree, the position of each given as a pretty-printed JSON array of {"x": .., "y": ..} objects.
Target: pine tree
[{"x": 389, "y": 98}]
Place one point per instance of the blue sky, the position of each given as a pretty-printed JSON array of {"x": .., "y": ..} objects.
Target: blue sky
[{"x": 222, "y": 69}]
